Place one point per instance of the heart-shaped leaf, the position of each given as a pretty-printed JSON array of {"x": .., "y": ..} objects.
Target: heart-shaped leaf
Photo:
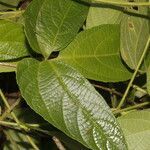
[
  {"x": 95, "y": 53},
  {"x": 12, "y": 41},
  {"x": 136, "y": 127},
  {"x": 68, "y": 101},
  {"x": 51, "y": 25}
]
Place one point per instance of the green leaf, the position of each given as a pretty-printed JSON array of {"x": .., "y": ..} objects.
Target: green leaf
[
  {"x": 12, "y": 42},
  {"x": 103, "y": 14},
  {"x": 136, "y": 127},
  {"x": 95, "y": 53},
  {"x": 8, "y": 66},
  {"x": 68, "y": 101},
  {"x": 51, "y": 25},
  {"x": 148, "y": 80},
  {"x": 134, "y": 36},
  {"x": 134, "y": 28},
  {"x": 7, "y": 4}
]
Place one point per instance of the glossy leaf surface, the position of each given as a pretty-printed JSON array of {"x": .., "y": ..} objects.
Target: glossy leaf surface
[
  {"x": 136, "y": 127},
  {"x": 95, "y": 53},
  {"x": 12, "y": 41},
  {"x": 54, "y": 23},
  {"x": 69, "y": 102}
]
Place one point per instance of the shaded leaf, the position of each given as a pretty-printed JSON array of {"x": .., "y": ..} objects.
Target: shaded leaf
[
  {"x": 136, "y": 128},
  {"x": 148, "y": 80},
  {"x": 7, "y": 4},
  {"x": 103, "y": 14},
  {"x": 54, "y": 24},
  {"x": 69, "y": 102},
  {"x": 134, "y": 28},
  {"x": 95, "y": 53},
  {"x": 12, "y": 42},
  {"x": 134, "y": 36}
]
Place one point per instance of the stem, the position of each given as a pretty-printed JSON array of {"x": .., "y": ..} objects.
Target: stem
[
  {"x": 131, "y": 107},
  {"x": 108, "y": 89},
  {"x": 17, "y": 120},
  {"x": 11, "y": 12},
  {"x": 121, "y": 3},
  {"x": 8, "y": 64},
  {"x": 134, "y": 75},
  {"x": 139, "y": 89},
  {"x": 58, "y": 143}
]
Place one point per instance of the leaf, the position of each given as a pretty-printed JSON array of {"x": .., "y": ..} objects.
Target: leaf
[
  {"x": 103, "y": 14},
  {"x": 136, "y": 128},
  {"x": 95, "y": 53},
  {"x": 134, "y": 36},
  {"x": 12, "y": 42},
  {"x": 134, "y": 28},
  {"x": 8, "y": 66},
  {"x": 68, "y": 101},
  {"x": 148, "y": 80},
  {"x": 51, "y": 25},
  {"x": 7, "y": 4}
]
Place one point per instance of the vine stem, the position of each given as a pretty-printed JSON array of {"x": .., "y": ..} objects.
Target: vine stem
[
  {"x": 121, "y": 3},
  {"x": 17, "y": 120},
  {"x": 12, "y": 12},
  {"x": 134, "y": 74},
  {"x": 131, "y": 107}
]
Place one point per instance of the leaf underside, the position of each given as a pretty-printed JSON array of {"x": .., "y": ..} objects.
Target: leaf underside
[{"x": 69, "y": 102}]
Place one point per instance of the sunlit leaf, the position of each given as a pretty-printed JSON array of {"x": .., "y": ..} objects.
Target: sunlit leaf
[
  {"x": 54, "y": 23},
  {"x": 95, "y": 53},
  {"x": 69, "y": 102}
]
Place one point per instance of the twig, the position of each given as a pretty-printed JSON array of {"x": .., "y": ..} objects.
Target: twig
[
  {"x": 131, "y": 107},
  {"x": 58, "y": 143},
  {"x": 21, "y": 125},
  {"x": 108, "y": 89}
]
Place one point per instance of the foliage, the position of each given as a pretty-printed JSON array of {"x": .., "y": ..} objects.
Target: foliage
[{"x": 59, "y": 50}]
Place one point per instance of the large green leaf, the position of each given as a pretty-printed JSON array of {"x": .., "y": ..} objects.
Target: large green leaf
[
  {"x": 136, "y": 127},
  {"x": 12, "y": 41},
  {"x": 51, "y": 25},
  {"x": 134, "y": 36},
  {"x": 95, "y": 53},
  {"x": 148, "y": 80},
  {"x": 68, "y": 101}
]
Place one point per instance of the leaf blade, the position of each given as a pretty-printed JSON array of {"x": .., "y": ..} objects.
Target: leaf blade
[
  {"x": 54, "y": 24},
  {"x": 95, "y": 53},
  {"x": 12, "y": 42},
  {"x": 67, "y": 100}
]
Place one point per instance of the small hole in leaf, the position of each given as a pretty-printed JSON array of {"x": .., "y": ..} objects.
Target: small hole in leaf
[{"x": 131, "y": 26}]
